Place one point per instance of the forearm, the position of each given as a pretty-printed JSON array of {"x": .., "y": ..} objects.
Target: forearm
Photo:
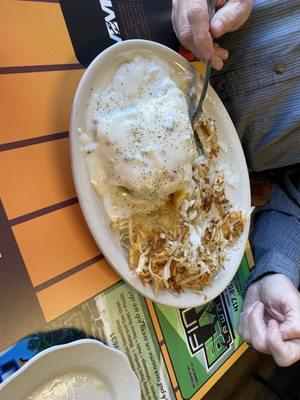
[{"x": 276, "y": 234}]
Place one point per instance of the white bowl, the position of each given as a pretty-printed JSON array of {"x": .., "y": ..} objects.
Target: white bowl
[
  {"x": 109, "y": 364},
  {"x": 101, "y": 70}
]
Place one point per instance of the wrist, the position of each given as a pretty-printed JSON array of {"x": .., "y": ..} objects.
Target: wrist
[{"x": 274, "y": 263}]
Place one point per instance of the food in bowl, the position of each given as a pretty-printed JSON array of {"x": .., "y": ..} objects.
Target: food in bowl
[
  {"x": 167, "y": 202},
  {"x": 75, "y": 385}
]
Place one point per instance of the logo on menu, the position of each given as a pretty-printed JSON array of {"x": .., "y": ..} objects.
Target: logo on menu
[
  {"x": 208, "y": 329},
  {"x": 110, "y": 20}
]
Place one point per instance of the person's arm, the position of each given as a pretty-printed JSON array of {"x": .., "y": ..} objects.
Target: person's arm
[
  {"x": 276, "y": 235},
  {"x": 270, "y": 320}
]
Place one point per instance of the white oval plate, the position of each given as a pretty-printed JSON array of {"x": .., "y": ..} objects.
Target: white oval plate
[
  {"x": 102, "y": 69},
  {"x": 110, "y": 364}
]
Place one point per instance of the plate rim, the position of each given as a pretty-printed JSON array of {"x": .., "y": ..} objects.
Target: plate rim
[{"x": 73, "y": 131}]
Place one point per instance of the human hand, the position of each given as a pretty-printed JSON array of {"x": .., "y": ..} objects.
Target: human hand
[
  {"x": 195, "y": 32},
  {"x": 270, "y": 320}
]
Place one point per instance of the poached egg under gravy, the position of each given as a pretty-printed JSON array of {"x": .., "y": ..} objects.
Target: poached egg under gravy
[{"x": 138, "y": 140}]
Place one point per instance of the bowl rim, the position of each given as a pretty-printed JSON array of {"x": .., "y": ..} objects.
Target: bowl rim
[{"x": 77, "y": 343}]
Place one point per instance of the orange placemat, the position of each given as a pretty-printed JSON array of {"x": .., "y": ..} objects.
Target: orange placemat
[
  {"x": 49, "y": 261},
  {"x": 44, "y": 239}
]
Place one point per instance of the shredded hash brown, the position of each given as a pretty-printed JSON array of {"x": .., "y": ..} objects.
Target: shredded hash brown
[{"x": 182, "y": 245}]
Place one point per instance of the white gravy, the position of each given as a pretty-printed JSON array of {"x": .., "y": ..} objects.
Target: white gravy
[{"x": 138, "y": 136}]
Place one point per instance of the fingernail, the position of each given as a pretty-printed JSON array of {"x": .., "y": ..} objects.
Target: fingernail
[
  {"x": 207, "y": 54},
  {"x": 272, "y": 324},
  {"x": 226, "y": 55},
  {"x": 218, "y": 65},
  {"x": 283, "y": 333}
]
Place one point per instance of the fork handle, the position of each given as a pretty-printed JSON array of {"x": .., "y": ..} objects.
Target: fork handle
[{"x": 211, "y": 8}]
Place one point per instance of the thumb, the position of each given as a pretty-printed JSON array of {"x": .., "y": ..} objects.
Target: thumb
[
  {"x": 230, "y": 17},
  {"x": 285, "y": 352},
  {"x": 290, "y": 330}
]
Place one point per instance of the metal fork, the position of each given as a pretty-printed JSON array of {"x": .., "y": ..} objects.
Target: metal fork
[{"x": 211, "y": 8}]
